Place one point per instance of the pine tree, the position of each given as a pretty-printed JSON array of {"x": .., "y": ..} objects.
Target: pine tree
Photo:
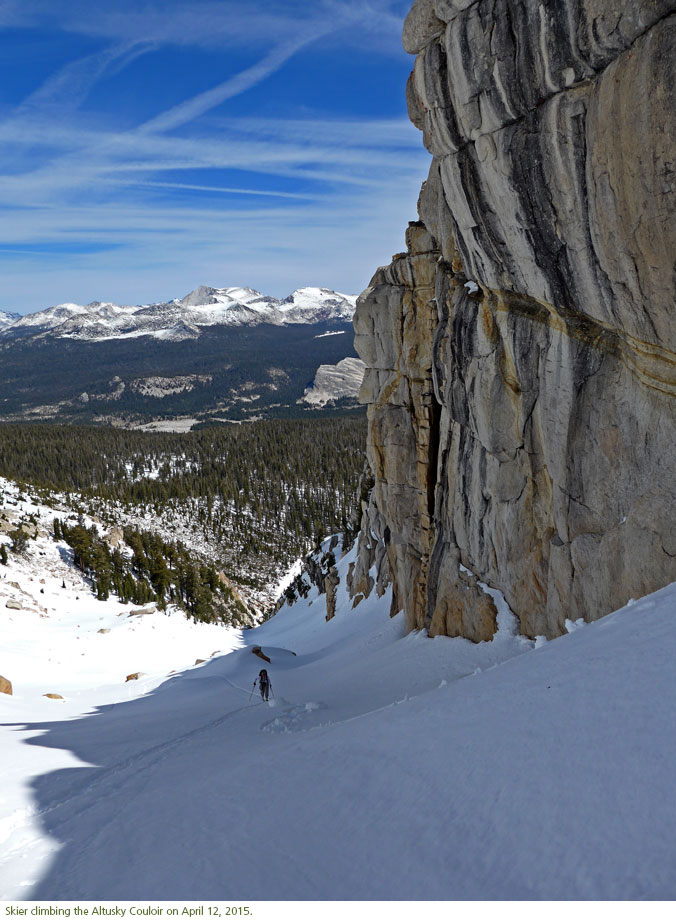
[{"x": 19, "y": 539}]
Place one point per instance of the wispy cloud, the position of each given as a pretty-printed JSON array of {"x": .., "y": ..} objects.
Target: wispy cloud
[
  {"x": 354, "y": 132},
  {"x": 192, "y": 108},
  {"x": 274, "y": 249},
  {"x": 222, "y": 190},
  {"x": 11, "y": 13},
  {"x": 190, "y": 195},
  {"x": 212, "y": 24},
  {"x": 69, "y": 87},
  {"x": 217, "y": 24},
  {"x": 349, "y": 154}
]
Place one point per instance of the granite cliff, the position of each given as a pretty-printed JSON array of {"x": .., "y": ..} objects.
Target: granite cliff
[{"x": 521, "y": 355}]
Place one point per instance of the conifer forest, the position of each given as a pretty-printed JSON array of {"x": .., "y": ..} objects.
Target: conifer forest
[{"x": 207, "y": 514}]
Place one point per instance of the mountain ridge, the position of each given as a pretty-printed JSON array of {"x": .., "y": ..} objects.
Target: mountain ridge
[
  {"x": 180, "y": 318},
  {"x": 226, "y": 353}
]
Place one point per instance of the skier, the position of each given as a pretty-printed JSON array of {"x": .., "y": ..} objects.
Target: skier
[{"x": 264, "y": 684}]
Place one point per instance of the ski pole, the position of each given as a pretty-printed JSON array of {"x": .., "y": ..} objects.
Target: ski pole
[{"x": 252, "y": 690}]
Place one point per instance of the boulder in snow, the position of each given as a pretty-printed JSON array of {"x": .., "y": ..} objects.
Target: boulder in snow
[
  {"x": 13, "y": 605},
  {"x": 134, "y": 676},
  {"x": 5, "y": 686},
  {"x": 140, "y": 612},
  {"x": 53, "y": 696}
]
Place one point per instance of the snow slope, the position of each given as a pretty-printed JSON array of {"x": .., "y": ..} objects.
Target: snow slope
[{"x": 386, "y": 767}]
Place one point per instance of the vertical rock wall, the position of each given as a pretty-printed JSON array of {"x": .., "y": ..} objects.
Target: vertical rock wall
[{"x": 521, "y": 356}]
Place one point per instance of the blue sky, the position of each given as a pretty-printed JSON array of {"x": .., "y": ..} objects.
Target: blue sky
[{"x": 146, "y": 148}]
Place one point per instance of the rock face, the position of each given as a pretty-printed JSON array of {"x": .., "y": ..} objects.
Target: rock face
[
  {"x": 521, "y": 356},
  {"x": 335, "y": 381}
]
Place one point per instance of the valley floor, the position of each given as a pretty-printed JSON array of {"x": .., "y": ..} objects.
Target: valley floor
[{"x": 386, "y": 766}]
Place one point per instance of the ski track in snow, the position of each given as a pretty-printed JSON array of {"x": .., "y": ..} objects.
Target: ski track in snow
[{"x": 136, "y": 761}]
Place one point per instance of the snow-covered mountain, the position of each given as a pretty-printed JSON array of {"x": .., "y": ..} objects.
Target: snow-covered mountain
[
  {"x": 182, "y": 318},
  {"x": 250, "y": 356}
]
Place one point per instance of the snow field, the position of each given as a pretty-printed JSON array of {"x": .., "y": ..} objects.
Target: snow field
[
  {"x": 63, "y": 641},
  {"x": 386, "y": 766}
]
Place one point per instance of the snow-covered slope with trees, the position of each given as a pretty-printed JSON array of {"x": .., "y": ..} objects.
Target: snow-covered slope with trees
[
  {"x": 182, "y": 318},
  {"x": 386, "y": 766}
]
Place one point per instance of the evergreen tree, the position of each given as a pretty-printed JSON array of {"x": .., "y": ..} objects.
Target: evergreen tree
[{"x": 19, "y": 539}]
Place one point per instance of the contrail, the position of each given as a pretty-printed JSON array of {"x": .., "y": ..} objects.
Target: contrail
[{"x": 192, "y": 108}]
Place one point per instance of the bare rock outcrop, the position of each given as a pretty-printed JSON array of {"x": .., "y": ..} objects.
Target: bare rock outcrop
[
  {"x": 5, "y": 686},
  {"x": 115, "y": 537},
  {"x": 319, "y": 571},
  {"x": 331, "y": 583},
  {"x": 521, "y": 356},
  {"x": 333, "y": 382}
]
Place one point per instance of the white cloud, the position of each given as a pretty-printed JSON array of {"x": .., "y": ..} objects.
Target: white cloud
[{"x": 357, "y": 132}]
